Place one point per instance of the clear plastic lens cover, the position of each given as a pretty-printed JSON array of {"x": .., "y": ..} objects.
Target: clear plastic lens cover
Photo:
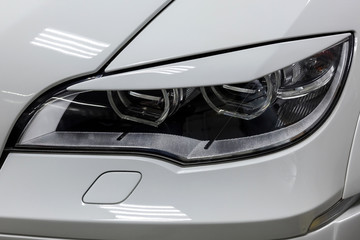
[{"x": 198, "y": 124}]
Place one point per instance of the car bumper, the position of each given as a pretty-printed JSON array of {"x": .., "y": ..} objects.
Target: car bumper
[{"x": 345, "y": 227}]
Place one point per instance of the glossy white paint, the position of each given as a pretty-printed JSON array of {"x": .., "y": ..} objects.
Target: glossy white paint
[
  {"x": 190, "y": 27},
  {"x": 198, "y": 196},
  {"x": 272, "y": 196},
  {"x": 112, "y": 187},
  {"x": 234, "y": 67},
  {"x": 29, "y": 66},
  {"x": 352, "y": 182},
  {"x": 345, "y": 227}
]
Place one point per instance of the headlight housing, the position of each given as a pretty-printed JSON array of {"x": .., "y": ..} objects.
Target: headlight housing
[{"x": 194, "y": 124}]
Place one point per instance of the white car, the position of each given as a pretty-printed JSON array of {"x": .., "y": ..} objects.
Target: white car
[{"x": 183, "y": 119}]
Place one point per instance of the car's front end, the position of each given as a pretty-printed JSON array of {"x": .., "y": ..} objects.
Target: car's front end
[{"x": 179, "y": 119}]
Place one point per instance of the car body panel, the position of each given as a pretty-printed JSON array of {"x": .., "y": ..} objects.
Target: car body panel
[{"x": 345, "y": 227}]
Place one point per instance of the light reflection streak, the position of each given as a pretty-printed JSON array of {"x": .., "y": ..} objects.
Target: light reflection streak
[
  {"x": 100, "y": 44},
  {"x": 64, "y": 46},
  {"x": 17, "y": 94},
  {"x": 146, "y": 206},
  {"x": 69, "y": 44},
  {"x": 128, "y": 218},
  {"x": 146, "y": 210},
  {"x": 147, "y": 214},
  {"x": 80, "y": 103},
  {"x": 63, "y": 108},
  {"x": 130, "y": 212},
  {"x": 164, "y": 70},
  {"x": 60, "y": 50}
]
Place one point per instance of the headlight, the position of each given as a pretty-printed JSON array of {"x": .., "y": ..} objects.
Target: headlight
[{"x": 194, "y": 124}]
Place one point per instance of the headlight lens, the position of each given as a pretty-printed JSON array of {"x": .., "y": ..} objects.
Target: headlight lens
[{"x": 193, "y": 125}]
